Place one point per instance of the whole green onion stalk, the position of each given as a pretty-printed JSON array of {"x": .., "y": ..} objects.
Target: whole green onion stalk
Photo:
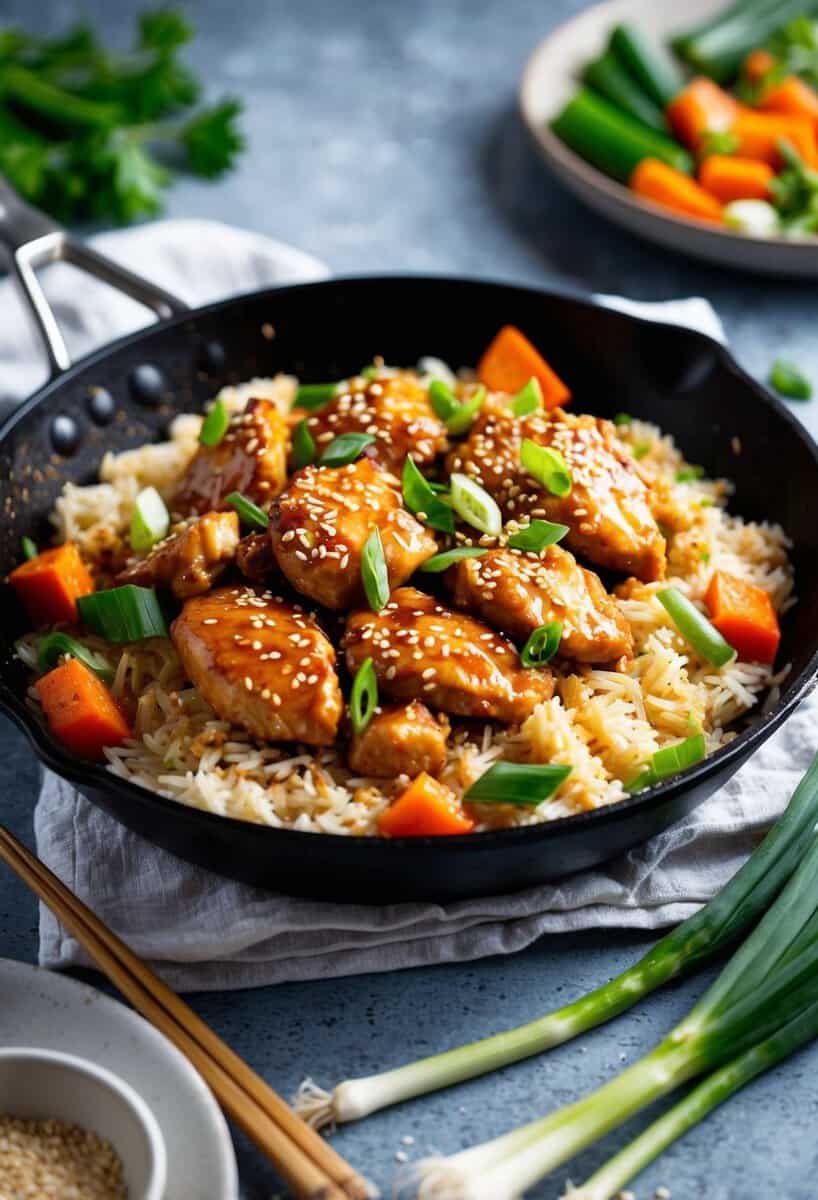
[
  {"x": 696, "y": 1105},
  {"x": 771, "y": 981},
  {"x": 685, "y": 948}
]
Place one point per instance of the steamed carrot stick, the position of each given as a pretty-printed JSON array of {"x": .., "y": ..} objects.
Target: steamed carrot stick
[
  {"x": 744, "y": 615},
  {"x": 731, "y": 178},
  {"x": 759, "y": 134},
  {"x": 654, "y": 180},
  {"x": 81, "y": 711},
  {"x": 50, "y": 584},
  {"x": 511, "y": 360},
  {"x": 426, "y": 809},
  {"x": 700, "y": 108},
  {"x": 791, "y": 97}
]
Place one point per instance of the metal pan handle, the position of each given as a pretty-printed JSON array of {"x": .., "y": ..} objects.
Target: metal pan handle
[{"x": 30, "y": 240}]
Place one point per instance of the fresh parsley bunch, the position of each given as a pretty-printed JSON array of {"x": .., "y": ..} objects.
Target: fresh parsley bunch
[{"x": 86, "y": 133}]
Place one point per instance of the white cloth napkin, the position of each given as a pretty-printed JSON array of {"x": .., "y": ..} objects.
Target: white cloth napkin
[{"x": 203, "y": 932}]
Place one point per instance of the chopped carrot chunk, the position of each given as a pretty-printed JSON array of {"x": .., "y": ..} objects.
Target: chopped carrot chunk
[
  {"x": 510, "y": 361},
  {"x": 81, "y": 711},
  {"x": 793, "y": 98},
  {"x": 759, "y": 134},
  {"x": 700, "y": 108},
  {"x": 756, "y": 65},
  {"x": 426, "y": 809},
  {"x": 730, "y": 178},
  {"x": 656, "y": 181},
  {"x": 743, "y": 614},
  {"x": 50, "y": 584}
]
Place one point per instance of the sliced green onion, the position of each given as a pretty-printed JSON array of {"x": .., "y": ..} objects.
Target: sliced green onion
[
  {"x": 537, "y": 535},
  {"x": 688, "y": 474},
  {"x": 528, "y": 399},
  {"x": 419, "y": 497},
  {"x": 789, "y": 380},
  {"x": 313, "y": 396},
  {"x": 52, "y": 648},
  {"x": 731, "y": 912},
  {"x": 370, "y": 371},
  {"x": 695, "y": 627},
  {"x": 547, "y": 466},
  {"x": 623, "y": 418},
  {"x": 373, "y": 571},
  {"x": 442, "y": 562},
  {"x": 473, "y": 503},
  {"x": 542, "y": 645},
  {"x": 303, "y": 446},
  {"x": 29, "y": 547},
  {"x": 345, "y": 449},
  {"x": 249, "y": 513},
  {"x": 640, "y": 450},
  {"x": 150, "y": 520},
  {"x": 363, "y": 699},
  {"x": 517, "y": 783},
  {"x": 463, "y": 416},
  {"x": 669, "y": 761},
  {"x": 456, "y": 416},
  {"x": 215, "y": 424},
  {"x": 123, "y": 614}
]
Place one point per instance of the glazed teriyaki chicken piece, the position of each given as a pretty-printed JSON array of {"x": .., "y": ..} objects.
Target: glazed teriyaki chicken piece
[
  {"x": 261, "y": 662},
  {"x": 319, "y": 525},
  {"x": 517, "y": 592},
  {"x": 401, "y": 739},
  {"x": 251, "y": 458},
  {"x": 607, "y": 509},
  {"x": 254, "y": 557},
  {"x": 395, "y": 409},
  {"x": 422, "y": 650},
  {"x": 191, "y": 559}
]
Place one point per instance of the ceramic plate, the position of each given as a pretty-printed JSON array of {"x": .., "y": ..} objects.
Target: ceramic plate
[
  {"x": 549, "y": 80},
  {"x": 41, "y": 1008}
]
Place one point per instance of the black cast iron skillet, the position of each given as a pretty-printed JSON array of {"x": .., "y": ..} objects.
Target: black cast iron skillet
[{"x": 126, "y": 394}]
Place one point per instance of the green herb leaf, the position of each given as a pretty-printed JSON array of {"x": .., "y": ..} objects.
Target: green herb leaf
[
  {"x": 303, "y": 446},
  {"x": 420, "y": 498},
  {"x": 475, "y": 506},
  {"x": 688, "y": 474},
  {"x": 442, "y": 562},
  {"x": 51, "y": 649},
  {"x": 790, "y": 381},
  {"x": 622, "y": 418},
  {"x": 29, "y": 547},
  {"x": 537, "y": 536},
  {"x": 345, "y": 449},
  {"x": 313, "y": 396},
  {"x": 517, "y": 783},
  {"x": 528, "y": 399},
  {"x": 542, "y": 645},
  {"x": 215, "y": 425},
  {"x": 212, "y": 139},
  {"x": 373, "y": 571},
  {"x": 547, "y": 466},
  {"x": 718, "y": 141},
  {"x": 363, "y": 698},
  {"x": 249, "y": 513}
]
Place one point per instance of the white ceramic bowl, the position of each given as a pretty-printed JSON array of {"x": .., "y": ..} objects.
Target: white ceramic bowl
[
  {"x": 43, "y": 1084},
  {"x": 550, "y": 79}
]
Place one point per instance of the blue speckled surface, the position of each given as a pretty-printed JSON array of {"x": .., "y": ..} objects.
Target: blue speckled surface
[{"x": 384, "y": 135}]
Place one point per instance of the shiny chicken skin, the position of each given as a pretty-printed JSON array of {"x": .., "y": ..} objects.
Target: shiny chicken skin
[
  {"x": 262, "y": 663},
  {"x": 517, "y": 592},
  {"x": 422, "y": 650},
  {"x": 319, "y": 525},
  {"x": 395, "y": 409},
  {"x": 607, "y": 510},
  {"x": 251, "y": 458},
  {"x": 401, "y": 739},
  {"x": 191, "y": 559}
]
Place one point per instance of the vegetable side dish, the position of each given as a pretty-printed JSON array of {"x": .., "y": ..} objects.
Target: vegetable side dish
[
  {"x": 746, "y": 157},
  {"x": 408, "y": 603}
]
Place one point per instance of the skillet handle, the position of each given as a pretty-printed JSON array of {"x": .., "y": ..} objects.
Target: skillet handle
[{"x": 30, "y": 240}]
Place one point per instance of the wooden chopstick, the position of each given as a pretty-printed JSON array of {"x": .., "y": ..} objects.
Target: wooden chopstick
[{"x": 311, "y": 1167}]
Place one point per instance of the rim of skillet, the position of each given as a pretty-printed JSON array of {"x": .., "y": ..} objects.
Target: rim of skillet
[{"x": 744, "y": 744}]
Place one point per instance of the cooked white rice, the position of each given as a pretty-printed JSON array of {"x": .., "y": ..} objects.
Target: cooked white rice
[{"x": 604, "y": 723}]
